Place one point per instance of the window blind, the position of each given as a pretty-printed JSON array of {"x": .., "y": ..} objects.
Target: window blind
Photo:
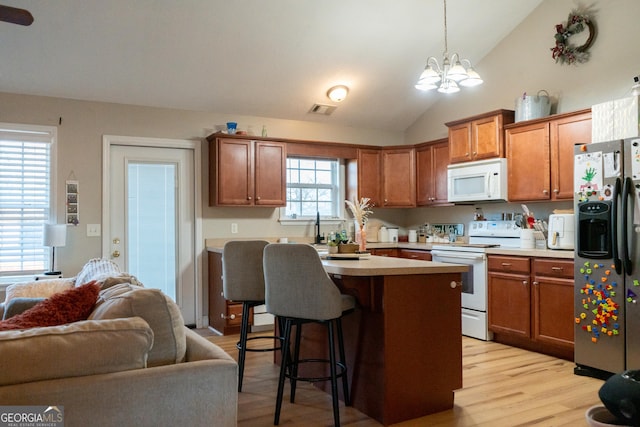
[{"x": 25, "y": 197}]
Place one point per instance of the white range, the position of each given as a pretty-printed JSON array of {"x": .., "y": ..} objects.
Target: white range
[{"x": 482, "y": 235}]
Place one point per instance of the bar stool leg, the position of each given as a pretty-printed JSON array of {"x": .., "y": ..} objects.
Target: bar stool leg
[
  {"x": 343, "y": 360},
  {"x": 283, "y": 367},
  {"x": 242, "y": 344},
  {"x": 334, "y": 380},
  {"x": 293, "y": 366}
]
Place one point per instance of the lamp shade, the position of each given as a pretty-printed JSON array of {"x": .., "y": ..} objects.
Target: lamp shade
[{"x": 55, "y": 235}]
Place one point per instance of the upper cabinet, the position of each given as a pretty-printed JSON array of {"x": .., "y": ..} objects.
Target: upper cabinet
[
  {"x": 432, "y": 159},
  {"x": 478, "y": 137},
  {"x": 246, "y": 172},
  {"x": 387, "y": 176},
  {"x": 540, "y": 155}
]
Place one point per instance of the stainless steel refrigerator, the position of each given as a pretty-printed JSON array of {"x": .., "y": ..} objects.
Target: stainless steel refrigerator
[{"x": 607, "y": 285}]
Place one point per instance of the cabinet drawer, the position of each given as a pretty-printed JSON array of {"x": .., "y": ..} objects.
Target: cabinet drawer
[
  {"x": 508, "y": 264},
  {"x": 392, "y": 252},
  {"x": 553, "y": 267},
  {"x": 415, "y": 254},
  {"x": 234, "y": 314}
]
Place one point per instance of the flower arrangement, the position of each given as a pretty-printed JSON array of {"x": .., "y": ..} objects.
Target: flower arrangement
[
  {"x": 360, "y": 209},
  {"x": 563, "y": 52}
]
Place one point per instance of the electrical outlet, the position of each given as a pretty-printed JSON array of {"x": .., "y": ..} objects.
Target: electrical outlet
[
  {"x": 93, "y": 230},
  {"x": 234, "y": 228}
]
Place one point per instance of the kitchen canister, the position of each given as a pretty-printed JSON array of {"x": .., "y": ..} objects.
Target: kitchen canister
[
  {"x": 532, "y": 107},
  {"x": 413, "y": 236},
  {"x": 393, "y": 235},
  {"x": 527, "y": 238},
  {"x": 383, "y": 234}
]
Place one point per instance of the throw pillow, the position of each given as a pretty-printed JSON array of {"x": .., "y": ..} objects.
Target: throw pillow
[
  {"x": 157, "y": 309},
  {"x": 95, "y": 269},
  {"x": 65, "y": 307},
  {"x": 19, "y": 305},
  {"x": 38, "y": 289}
]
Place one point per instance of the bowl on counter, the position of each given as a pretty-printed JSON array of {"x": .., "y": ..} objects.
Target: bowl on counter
[{"x": 599, "y": 416}]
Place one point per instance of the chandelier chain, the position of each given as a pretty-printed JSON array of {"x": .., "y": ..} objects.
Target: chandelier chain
[{"x": 446, "y": 45}]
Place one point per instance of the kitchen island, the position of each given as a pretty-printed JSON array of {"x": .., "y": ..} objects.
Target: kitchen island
[{"x": 404, "y": 342}]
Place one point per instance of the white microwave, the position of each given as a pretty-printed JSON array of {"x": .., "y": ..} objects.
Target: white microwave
[{"x": 481, "y": 181}]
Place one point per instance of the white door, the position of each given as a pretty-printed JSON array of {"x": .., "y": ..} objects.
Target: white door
[{"x": 151, "y": 225}]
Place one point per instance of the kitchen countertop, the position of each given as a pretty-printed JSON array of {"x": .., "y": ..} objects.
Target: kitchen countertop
[
  {"x": 217, "y": 244},
  {"x": 388, "y": 266}
]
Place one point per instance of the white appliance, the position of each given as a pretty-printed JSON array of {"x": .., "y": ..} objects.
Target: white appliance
[
  {"x": 482, "y": 235},
  {"x": 481, "y": 181},
  {"x": 561, "y": 231}
]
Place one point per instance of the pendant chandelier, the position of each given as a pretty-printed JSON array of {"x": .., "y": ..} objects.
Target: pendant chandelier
[{"x": 453, "y": 73}]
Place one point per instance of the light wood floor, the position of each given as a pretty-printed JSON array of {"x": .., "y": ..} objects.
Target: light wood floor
[{"x": 503, "y": 386}]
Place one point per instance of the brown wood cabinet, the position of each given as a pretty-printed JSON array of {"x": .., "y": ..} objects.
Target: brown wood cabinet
[
  {"x": 369, "y": 173},
  {"x": 509, "y": 290},
  {"x": 224, "y": 316},
  {"x": 553, "y": 302},
  {"x": 247, "y": 172},
  {"x": 531, "y": 303},
  {"x": 398, "y": 177},
  {"x": 432, "y": 160},
  {"x": 478, "y": 137},
  {"x": 391, "y": 252},
  {"x": 414, "y": 254},
  {"x": 540, "y": 155},
  {"x": 386, "y": 176}
]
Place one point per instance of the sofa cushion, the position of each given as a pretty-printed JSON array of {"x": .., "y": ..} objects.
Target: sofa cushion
[
  {"x": 64, "y": 307},
  {"x": 78, "y": 349},
  {"x": 161, "y": 313},
  {"x": 37, "y": 289},
  {"x": 18, "y": 305}
]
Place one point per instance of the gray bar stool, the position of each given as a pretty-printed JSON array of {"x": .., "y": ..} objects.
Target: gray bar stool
[
  {"x": 243, "y": 281},
  {"x": 298, "y": 291}
]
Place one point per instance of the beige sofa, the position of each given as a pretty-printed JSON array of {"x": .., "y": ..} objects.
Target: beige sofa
[{"x": 132, "y": 362}]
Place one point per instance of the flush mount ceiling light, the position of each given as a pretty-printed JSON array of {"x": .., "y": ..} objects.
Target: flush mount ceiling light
[
  {"x": 338, "y": 93},
  {"x": 449, "y": 76}
]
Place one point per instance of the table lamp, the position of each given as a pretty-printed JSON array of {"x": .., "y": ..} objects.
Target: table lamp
[{"x": 55, "y": 235}]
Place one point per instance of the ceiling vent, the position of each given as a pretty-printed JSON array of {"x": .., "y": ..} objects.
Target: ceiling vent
[{"x": 325, "y": 110}]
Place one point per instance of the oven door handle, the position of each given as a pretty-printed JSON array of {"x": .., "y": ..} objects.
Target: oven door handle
[{"x": 446, "y": 254}]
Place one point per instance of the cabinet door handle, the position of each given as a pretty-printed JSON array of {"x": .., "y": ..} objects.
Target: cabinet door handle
[
  {"x": 455, "y": 284},
  {"x": 545, "y": 191},
  {"x": 554, "y": 268},
  {"x": 231, "y": 317},
  {"x": 506, "y": 264},
  {"x": 536, "y": 283},
  {"x": 555, "y": 190},
  {"x": 475, "y": 153},
  {"x": 249, "y": 197},
  {"x": 525, "y": 282},
  {"x": 257, "y": 198}
]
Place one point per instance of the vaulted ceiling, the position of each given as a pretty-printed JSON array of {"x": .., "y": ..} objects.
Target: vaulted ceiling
[{"x": 271, "y": 58}]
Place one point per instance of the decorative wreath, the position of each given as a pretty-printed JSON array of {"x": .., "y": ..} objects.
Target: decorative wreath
[{"x": 566, "y": 53}]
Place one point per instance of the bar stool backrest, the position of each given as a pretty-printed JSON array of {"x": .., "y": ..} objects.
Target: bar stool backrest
[
  {"x": 297, "y": 284},
  {"x": 242, "y": 274}
]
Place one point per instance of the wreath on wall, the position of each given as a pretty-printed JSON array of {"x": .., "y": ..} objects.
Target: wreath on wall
[{"x": 566, "y": 53}]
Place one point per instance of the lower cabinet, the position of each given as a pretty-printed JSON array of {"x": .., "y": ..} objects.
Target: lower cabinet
[
  {"x": 531, "y": 303},
  {"x": 402, "y": 253},
  {"x": 392, "y": 252},
  {"x": 414, "y": 254},
  {"x": 224, "y": 316}
]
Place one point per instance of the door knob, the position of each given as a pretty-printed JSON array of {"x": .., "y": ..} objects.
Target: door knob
[{"x": 115, "y": 254}]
